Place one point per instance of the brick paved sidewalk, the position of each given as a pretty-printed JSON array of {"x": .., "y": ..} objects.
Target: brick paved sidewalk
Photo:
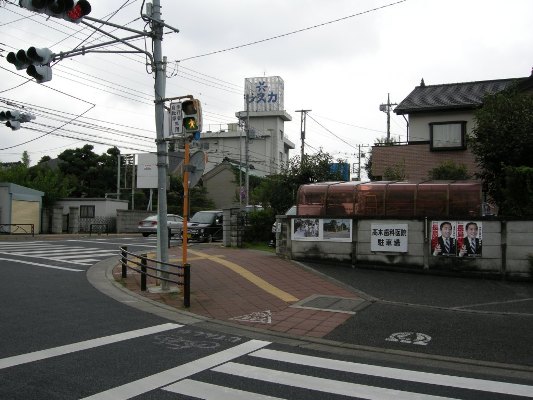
[{"x": 253, "y": 288}]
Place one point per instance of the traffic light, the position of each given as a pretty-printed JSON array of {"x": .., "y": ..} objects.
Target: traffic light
[
  {"x": 192, "y": 116},
  {"x": 15, "y": 118},
  {"x": 41, "y": 73},
  {"x": 70, "y": 10},
  {"x": 36, "y": 62},
  {"x": 14, "y": 125}
]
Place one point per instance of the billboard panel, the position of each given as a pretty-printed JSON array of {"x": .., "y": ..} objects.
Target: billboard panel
[
  {"x": 147, "y": 171},
  {"x": 264, "y": 93}
]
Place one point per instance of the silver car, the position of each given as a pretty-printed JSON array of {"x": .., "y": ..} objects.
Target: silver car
[{"x": 148, "y": 226}]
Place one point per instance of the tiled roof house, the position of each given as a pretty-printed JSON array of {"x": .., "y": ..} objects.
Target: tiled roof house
[{"x": 440, "y": 118}]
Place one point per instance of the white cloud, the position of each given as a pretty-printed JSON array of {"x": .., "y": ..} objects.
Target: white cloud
[{"x": 341, "y": 71}]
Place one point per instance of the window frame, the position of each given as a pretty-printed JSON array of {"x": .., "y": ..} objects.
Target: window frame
[
  {"x": 87, "y": 214},
  {"x": 461, "y": 146}
]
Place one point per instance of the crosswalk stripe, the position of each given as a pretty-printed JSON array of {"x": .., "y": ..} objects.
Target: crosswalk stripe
[
  {"x": 208, "y": 391},
  {"x": 67, "y": 253},
  {"x": 81, "y": 254},
  {"x": 321, "y": 384},
  {"x": 172, "y": 375},
  {"x": 42, "y": 265},
  {"x": 85, "y": 345},
  {"x": 396, "y": 373},
  {"x": 26, "y": 247}
]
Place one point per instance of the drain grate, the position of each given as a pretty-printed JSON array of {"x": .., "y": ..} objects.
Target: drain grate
[{"x": 331, "y": 303}]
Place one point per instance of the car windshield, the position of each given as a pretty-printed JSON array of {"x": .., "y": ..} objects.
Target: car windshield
[{"x": 203, "y": 217}]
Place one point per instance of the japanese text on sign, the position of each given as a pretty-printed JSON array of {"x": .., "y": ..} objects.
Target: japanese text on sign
[
  {"x": 176, "y": 126},
  {"x": 392, "y": 238}
]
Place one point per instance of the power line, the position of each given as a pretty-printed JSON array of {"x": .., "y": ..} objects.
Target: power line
[{"x": 294, "y": 32}]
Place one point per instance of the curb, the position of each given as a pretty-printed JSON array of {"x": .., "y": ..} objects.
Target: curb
[{"x": 100, "y": 275}]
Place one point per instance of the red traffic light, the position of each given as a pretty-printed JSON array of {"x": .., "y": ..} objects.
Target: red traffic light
[
  {"x": 69, "y": 10},
  {"x": 80, "y": 10}
]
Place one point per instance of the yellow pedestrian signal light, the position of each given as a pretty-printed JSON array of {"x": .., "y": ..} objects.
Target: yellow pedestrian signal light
[
  {"x": 192, "y": 116},
  {"x": 190, "y": 124}
]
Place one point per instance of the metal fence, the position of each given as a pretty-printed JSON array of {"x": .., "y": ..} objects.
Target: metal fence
[
  {"x": 17, "y": 229},
  {"x": 139, "y": 263}
]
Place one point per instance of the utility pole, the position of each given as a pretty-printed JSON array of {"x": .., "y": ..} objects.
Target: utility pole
[
  {"x": 356, "y": 168},
  {"x": 303, "y": 117},
  {"x": 247, "y": 151},
  {"x": 386, "y": 108},
  {"x": 41, "y": 71},
  {"x": 159, "y": 86}
]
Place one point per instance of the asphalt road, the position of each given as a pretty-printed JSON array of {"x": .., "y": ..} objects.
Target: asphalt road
[
  {"x": 64, "y": 339},
  {"x": 470, "y": 318}
]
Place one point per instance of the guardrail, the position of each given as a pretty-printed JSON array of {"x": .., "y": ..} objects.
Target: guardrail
[
  {"x": 141, "y": 261},
  {"x": 19, "y": 229}
]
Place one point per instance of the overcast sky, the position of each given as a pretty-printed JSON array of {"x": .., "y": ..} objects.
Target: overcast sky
[{"x": 342, "y": 71}]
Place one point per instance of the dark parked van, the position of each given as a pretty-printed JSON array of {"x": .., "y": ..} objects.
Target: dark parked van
[{"x": 205, "y": 226}]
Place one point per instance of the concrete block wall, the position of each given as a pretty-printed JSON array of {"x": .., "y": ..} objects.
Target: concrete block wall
[
  {"x": 128, "y": 220},
  {"x": 414, "y": 257},
  {"x": 507, "y": 246},
  {"x": 518, "y": 247}
]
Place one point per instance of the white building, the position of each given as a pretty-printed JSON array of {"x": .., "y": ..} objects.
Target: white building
[{"x": 268, "y": 147}]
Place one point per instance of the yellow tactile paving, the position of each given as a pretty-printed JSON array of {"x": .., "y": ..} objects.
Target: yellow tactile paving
[{"x": 259, "y": 282}]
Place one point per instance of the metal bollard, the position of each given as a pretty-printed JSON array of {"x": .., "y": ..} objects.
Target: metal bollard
[
  {"x": 187, "y": 285},
  {"x": 143, "y": 272},
  {"x": 124, "y": 260}
]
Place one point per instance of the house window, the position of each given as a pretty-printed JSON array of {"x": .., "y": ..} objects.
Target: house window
[
  {"x": 86, "y": 211},
  {"x": 447, "y": 135}
]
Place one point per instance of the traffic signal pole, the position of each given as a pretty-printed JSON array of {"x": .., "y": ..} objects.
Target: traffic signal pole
[
  {"x": 162, "y": 146},
  {"x": 78, "y": 14}
]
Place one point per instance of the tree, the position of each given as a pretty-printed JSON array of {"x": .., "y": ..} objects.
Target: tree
[
  {"x": 279, "y": 190},
  {"x": 53, "y": 183},
  {"x": 94, "y": 175},
  {"x": 449, "y": 170},
  {"x": 503, "y": 137},
  {"x": 26, "y": 159},
  {"x": 395, "y": 172},
  {"x": 391, "y": 171}
]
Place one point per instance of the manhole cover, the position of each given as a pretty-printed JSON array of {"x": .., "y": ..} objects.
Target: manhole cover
[{"x": 331, "y": 303}]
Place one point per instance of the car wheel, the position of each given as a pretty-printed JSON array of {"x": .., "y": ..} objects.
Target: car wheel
[{"x": 145, "y": 234}]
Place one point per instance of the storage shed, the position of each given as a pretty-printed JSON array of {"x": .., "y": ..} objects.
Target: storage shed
[{"x": 19, "y": 205}]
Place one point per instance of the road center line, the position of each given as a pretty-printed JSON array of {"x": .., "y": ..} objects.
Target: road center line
[
  {"x": 42, "y": 265},
  {"x": 85, "y": 345}
]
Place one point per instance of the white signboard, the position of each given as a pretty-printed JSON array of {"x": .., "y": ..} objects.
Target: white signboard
[
  {"x": 389, "y": 238},
  {"x": 176, "y": 119},
  {"x": 147, "y": 171},
  {"x": 264, "y": 93}
]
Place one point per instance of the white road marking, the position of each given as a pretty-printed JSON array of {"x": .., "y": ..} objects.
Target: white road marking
[
  {"x": 42, "y": 265},
  {"x": 78, "y": 262},
  {"x": 67, "y": 252},
  {"x": 396, "y": 373},
  {"x": 208, "y": 391},
  {"x": 25, "y": 247},
  {"x": 85, "y": 345},
  {"x": 83, "y": 254},
  {"x": 172, "y": 375},
  {"x": 321, "y": 384},
  {"x": 118, "y": 244}
]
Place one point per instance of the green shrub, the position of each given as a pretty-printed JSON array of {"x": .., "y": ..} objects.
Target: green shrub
[{"x": 259, "y": 225}]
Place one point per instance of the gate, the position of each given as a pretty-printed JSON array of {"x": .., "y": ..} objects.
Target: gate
[{"x": 238, "y": 221}]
